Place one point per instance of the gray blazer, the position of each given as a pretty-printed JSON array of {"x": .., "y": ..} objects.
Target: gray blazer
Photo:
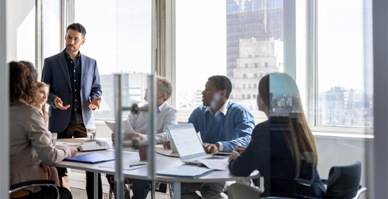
[
  {"x": 30, "y": 144},
  {"x": 56, "y": 74}
]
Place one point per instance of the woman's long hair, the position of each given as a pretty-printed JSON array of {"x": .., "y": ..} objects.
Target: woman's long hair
[
  {"x": 22, "y": 83},
  {"x": 300, "y": 141},
  {"x": 40, "y": 85}
]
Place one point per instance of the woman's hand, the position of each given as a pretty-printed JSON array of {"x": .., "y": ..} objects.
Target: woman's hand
[
  {"x": 73, "y": 150},
  {"x": 240, "y": 149},
  {"x": 233, "y": 156}
]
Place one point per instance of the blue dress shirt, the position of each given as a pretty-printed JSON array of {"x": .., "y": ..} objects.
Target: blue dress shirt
[{"x": 230, "y": 127}]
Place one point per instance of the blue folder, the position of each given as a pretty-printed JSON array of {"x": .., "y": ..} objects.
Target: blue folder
[
  {"x": 91, "y": 158},
  {"x": 185, "y": 171}
]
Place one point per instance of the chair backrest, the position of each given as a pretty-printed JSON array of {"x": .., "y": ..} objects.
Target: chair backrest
[
  {"x": 243, "y": 191},
  {"x": 18, "y": 190},
  {"x": 343, "y": 181}
]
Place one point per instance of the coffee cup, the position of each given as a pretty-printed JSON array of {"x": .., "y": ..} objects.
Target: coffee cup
[{"x": 143, "y": 153}]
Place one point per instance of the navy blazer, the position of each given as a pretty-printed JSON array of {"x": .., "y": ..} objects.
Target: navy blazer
[
  {"x": 56, "y": 74},
  {"x": 268, "y": 153}
]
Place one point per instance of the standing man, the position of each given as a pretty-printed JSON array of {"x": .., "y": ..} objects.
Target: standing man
[
  {"x": 75, "y": 91},
  {"x": 223, "y": 126}
]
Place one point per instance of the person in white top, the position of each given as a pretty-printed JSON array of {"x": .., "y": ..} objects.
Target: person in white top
[{"x": 165, "y": 115}]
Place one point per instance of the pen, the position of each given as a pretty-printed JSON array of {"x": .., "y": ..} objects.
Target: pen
[{"x": 135, "y": 165}]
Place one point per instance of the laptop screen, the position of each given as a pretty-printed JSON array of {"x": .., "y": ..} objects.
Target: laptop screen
[
  {"x": 186, "y": 141},
  {"x": 126, "y": 127}
]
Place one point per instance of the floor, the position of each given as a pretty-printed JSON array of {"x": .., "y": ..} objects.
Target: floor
[{"x": 81, "y": 194}]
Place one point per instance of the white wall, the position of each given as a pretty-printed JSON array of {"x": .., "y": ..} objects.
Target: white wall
[
  {"x": 340, "y": 151},
  {"x": 17, "y": 12}
]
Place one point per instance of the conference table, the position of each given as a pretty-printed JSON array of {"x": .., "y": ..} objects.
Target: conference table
[{"x": 161, "y": 161}]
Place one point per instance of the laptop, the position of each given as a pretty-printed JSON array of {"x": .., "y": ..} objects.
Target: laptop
[
  {"x": 188, "y": 144},
  {"x": 126, "y": 127}
]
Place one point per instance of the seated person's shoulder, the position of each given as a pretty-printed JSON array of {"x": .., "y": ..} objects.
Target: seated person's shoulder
[
  {"x": 26, "y": 109},
  {"x": 237, "y": 109}
]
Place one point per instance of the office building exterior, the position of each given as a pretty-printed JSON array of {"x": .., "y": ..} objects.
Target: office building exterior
[
  {"x": 256, "y": 59},
  {"x": 260, "y": 19}
]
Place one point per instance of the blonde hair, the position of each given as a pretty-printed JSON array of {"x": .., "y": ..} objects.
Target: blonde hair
[{"x": 43, "y": 108}]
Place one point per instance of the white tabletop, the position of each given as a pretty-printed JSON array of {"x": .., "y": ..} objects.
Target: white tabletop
[{"x": 162, "y": 162}]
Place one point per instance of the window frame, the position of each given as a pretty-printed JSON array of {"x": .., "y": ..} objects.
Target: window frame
[
  {"x": 169, "y": 65},
  {"x": 312, "y": 96}
]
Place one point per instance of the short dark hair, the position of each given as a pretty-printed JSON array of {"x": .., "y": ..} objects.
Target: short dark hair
[
  {"x": 222, "y": 83},
  {"x": 77, "y": 27}
]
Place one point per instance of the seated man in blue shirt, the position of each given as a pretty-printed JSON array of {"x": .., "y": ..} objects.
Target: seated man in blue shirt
[
  {"x": 223, "y": 126},
  {"x": 165, "y": 115}
]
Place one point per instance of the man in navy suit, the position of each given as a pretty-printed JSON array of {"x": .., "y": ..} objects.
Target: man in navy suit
[{"x": 75, "y": 91}]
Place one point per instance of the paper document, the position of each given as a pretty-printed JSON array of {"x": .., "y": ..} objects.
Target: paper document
[
  {"x": 126, "y": 166},
  {"x": 216, "y": 164},
  {"x": 167, "y": 152},
  {"x": 185, "y": 171}
]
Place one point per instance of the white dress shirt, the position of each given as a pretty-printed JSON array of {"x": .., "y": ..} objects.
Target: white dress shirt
[{"x": 165, "y": 115}]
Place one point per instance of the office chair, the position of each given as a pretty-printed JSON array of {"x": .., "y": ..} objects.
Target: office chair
[
  {"x": 155, "y": 186},
  {"x": 18, "y": 190},
  {"x": 344, "y": 182}
]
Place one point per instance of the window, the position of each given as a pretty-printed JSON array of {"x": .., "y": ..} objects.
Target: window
[
  {"x": 243, "y": 86},
  {"x": 266, "y": 65},
  {"x": 244, "y": 29},
  {"x": 345, "y": 94},
  {"x": 248, "y": 96},
  {"x": 255, "y": 75},
  {"x": 119, "y": 38},
  {"x": 204, "y": 36},
  {"x": 51, "y": 27}
]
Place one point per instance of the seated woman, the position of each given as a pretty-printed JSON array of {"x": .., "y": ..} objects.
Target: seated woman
[
  {"x": 40, "y": 99},
  {"x": 30, "y": 141},
  {"x": 282, "y": 148}
]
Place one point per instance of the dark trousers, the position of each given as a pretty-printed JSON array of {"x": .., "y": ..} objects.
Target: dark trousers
[
  {"x": 140, "y": 188},
  {"x": 79, "y": 131},
  {"x": 49, "y": 193}
]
